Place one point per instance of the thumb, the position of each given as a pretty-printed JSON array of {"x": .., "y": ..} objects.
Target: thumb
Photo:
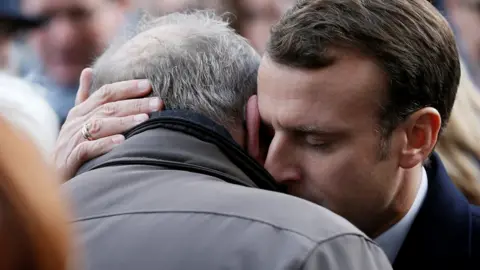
[{"x": 84, "y": 87}]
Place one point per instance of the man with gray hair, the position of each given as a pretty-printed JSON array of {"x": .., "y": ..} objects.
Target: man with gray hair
[{"x": 181, "y": 192}]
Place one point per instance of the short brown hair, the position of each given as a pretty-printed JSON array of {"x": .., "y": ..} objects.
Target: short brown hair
[{"x": 410, "y": 40}]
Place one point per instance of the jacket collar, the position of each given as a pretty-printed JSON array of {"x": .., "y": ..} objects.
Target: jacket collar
[
  {"x": 182, "y": 120},
  {"x": 441, "y": 231},
  {"x": 187, "y": 141}
]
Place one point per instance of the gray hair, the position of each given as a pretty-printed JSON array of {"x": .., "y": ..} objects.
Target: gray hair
[{"x": 194, "y": 61}]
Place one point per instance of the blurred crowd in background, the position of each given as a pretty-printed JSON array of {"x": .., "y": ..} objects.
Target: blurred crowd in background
[{"x": 42, "y": 65}]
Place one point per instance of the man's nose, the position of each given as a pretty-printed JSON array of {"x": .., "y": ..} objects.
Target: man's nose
[
  {"x": 62, "y": 31},
  {"x": 281, "y": 160}
]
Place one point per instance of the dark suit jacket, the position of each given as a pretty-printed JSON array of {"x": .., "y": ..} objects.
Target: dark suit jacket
[{"x": 446, "y": 231}]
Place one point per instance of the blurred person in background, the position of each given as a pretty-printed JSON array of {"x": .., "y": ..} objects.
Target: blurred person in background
[
  {"x": 254, "y": 18},
  {"x": 76, "y": 32},
  {"x": 250, "y": 18},
  {"x": 160, "y": 7},
  {"x": 21, "y": 102},
  {"x": 464, "y": 16},
  {"x": 459, "y": 146},
  {"x": 34, "y": 231},
  {"x": 12, "y": 23}
]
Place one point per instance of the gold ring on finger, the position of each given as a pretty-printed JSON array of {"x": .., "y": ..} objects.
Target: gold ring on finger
[{"x": 86, "y": 132}]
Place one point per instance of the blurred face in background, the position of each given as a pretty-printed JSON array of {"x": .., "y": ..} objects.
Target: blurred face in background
[
  {"x": 257, "y": 16},
  {"x": 78, "y": 31},
  {"x": 4, "y": 48},
  {"x": 164, "y": 5},
  {"x": 157, "y": 7},
  {"x": 465, "y": 15}
]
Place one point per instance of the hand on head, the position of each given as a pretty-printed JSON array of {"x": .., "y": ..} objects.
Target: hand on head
[
  {"x": 104, "y": 116},
  {"x": 95, "y": 125}
]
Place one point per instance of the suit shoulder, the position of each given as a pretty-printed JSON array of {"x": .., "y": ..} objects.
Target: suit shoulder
[
  {"x": 474, "y": 231},
  {"x": 475, "y": 217}
]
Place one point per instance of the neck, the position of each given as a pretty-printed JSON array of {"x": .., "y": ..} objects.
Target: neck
[
  {"x": 238, "y": 135},
  {"x": 402, "y": 201}
]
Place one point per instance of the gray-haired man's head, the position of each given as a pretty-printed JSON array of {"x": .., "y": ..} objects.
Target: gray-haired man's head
[{"x": 194, "y": 61}]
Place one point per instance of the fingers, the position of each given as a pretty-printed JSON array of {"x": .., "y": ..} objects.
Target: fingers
[
  {"x": 110, "y": 93},
  {"x": 110, "y": 111},
  {"x": 88, "y": 150},
  {"x": 73, "y": 150},
  {"x": 104, "y": 127},
  {"x": 128, "y": 107},
  {"x": 85, "y": 82}
]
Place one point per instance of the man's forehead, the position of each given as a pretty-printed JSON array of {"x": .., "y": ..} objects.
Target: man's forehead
[
  {"x": 296, "y": 83},
  {"x": 297, "y": 118},
  {"x": 320, "y": 97},
  {"x": 350, "y": 73}
]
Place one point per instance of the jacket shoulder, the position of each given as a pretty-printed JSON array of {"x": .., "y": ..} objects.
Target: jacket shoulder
[
  {"x": 215, "y": 224},
  {"x": 196, "y": 193},
  {"x": 360, "y": 254},
  {"x": 295, "y": 214}
]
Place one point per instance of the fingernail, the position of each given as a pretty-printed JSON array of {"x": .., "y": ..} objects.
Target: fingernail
[
  {"x": 139, "y": 118},
  {"x": 154, "y": 104},
  {"x": 143, "y": 85},
  {"x": 118, "y": 139}
]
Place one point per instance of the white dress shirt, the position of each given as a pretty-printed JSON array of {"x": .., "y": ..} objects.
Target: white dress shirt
[{"x": 392, "y": 240}]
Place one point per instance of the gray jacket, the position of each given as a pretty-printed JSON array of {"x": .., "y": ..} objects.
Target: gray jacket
[{"x": 162, "y": 200}]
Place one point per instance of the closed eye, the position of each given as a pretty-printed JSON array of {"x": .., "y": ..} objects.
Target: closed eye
[{"x": 316, "y": 142}]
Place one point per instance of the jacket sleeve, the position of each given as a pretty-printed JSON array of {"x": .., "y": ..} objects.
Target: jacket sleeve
[{"x": 347, "y": 252}]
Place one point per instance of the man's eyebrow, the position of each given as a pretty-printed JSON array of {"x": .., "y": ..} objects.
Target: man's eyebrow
[{"x": 314, "y": 130}]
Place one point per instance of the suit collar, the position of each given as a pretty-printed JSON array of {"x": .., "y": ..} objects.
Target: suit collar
[
  {"x": 441, "y": 231},
  {"x": 392, "y": 240}
]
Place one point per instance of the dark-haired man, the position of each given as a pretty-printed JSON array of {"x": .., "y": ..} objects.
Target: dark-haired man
[
  {"x": 357, "y": 103},
  {"x": 355, "y": 94}
]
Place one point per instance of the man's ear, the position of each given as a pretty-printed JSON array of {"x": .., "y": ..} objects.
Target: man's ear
[
  {"x": 252, "y": 120},
  {"x": 421, "y": 130}
]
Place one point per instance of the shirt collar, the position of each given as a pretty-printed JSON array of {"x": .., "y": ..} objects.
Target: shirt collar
[{"x": 391, "y": 241}]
